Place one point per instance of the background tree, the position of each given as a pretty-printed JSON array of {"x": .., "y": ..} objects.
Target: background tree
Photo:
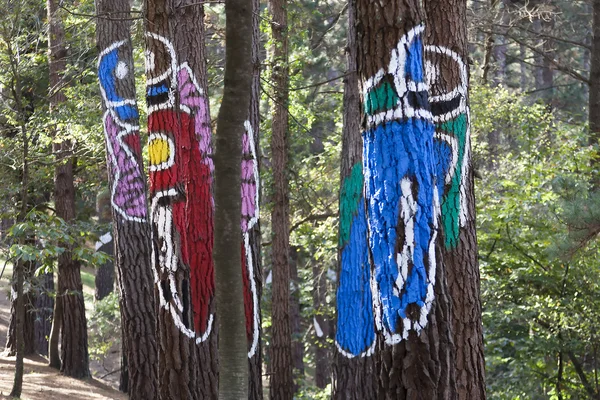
[
  {"x": 281, "y": 347},
  {"x": 131, "y": 228},
  {"x": 71, "y": 318}
]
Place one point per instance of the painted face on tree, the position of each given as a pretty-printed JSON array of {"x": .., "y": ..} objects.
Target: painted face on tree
[
  {"x": 400, "y": 190},
  {"x": 180, "y": 189}
]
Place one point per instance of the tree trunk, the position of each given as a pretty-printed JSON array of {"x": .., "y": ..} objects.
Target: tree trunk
[
  {"x": 296, "y": 319},
  {"x": 354, "y": 375},
  {"x": 73, "y": 333},
  {"x": 181, "y": 198},
  {"x": 19, "y": 313},
  {"x": 412, "y": 306},
  {"x": 233, "y": 340},
  {"x": 27, "y": 333},
  {"x": 447, "y": 52},
  {"x": 44, "y": 304},
  {"x": 105, "y": 274},
  {"x": 251, "y": 238},
  {"x": 321, "y": 325},
  {"x": 131, "y": 228},
  {"x": 282, "y": 385},
  {"x": 594, "y": 89}
]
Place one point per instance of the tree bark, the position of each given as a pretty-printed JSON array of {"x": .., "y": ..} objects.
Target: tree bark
[
  {"x": 233, "y": 340},
  {"x": 412, "y": 306},
  {"x": 282, "y": 382},
  {"x": 251, "y": 237},
  {"x": 447, "y": 52},
  {"x": 44, "y": 304},
  {"x": 27, "y": 332},
  {"x": 594, "y": 90},
  {"x": 354, "y": 376},
  {"x": 131, "y": 228},
  {"x": 296, "y": 319},
  {"x": 181, "y": 198},
  {"x": 321, "y": 325},
  {"x": 73, "y": 332},
  {"x": 105, "y": 274}
]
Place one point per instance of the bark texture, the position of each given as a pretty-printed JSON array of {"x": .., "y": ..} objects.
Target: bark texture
[
  {"x": 73, "y": 332},
  {"x": 354, "y": 374},
  {"x": 181, "y": 199},
  {"x": 233, "y": 340},
  {"x": 447, "y": 51},
  {"x": 412, "y": 305},
  {"x": 44, "y": 304},
  {"x": 322, "y": 330},
  {"x": 29, "y": 312},
  {"x": 105, "y": 274},
  {"x": 282, "y": 383},
  {"x": 131, "y": 228},
  {"x": 251, "y": 239}
]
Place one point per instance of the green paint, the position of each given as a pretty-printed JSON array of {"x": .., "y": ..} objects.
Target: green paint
[
  {"x": 350, "y": 195},
  {"x": 381, "y": 98},
  {"x": 456, "y": 127}
]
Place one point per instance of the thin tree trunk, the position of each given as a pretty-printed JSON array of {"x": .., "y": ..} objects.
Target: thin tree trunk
[
  {"x": 131, "y": 228},
  {"x": 412, "y": 299},
  {"x": 54, "y": 339},
  {"x": 447, "y": 52},
  {"x": 296, "y": 319},
  {"x": 233, "y": 343},
  {"x": 594, "y": 89},
  {"x": 44, "y": 305},
  {"x": 282, "y": 385},
  {"x": 354, "y": 376},
  {"x": 27, "y": 333},
  {"x": 321, "y": 327},
  {"x": 105, "y": 274},
  {"x": 73, "y": 339},
  {"x": 251, "y": 238},
  {"x": 181, "y": 198},
  {"x": 19, "y": 342}
]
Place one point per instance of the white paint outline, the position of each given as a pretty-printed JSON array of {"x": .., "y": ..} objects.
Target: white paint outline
[
  {"x": 396, "y": 68},
  {"x": 171, "y": 160},
  {"x": 172, "y": 70},
  {"x": 126, "y": 130},
  {"x": 249, "y": 258}
]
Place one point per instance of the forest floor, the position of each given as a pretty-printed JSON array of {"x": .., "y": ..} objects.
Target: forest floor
[{"x": 43, "y": 382}]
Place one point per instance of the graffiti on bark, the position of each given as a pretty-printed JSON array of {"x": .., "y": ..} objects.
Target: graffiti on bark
[
  {"x": 250, "y": 191},
  {"x": 122, "y": 135},
  {"x": 355, "y": 334},
  {"x": 400, "y": 190},
  {"x": 180, "y": 191},
  {"x": 451, "y": 117}
]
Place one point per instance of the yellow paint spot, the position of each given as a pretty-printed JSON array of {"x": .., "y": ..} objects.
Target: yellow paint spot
[{"x": 158, "y": 150}]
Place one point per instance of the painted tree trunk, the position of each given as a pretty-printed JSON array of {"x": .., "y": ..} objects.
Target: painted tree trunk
[
  {"x": 448, "y": 79},
  {"x": 354, "y": 374},
  {"x": 411, "y": 302},
  {"x": 282, "y": 386},
  {"x": 131, "y": 228},
  {"x": 251, "y": 239},
  {"x": 73, "y": 332},
  {"x": 181, "y": 210}
]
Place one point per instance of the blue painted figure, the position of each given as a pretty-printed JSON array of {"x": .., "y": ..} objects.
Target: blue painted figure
[
  {"x": 401, "y": 192},
  {"x": 110, "y": 71}
]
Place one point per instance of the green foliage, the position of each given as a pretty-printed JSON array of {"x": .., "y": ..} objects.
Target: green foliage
[
  {"x": 539, "y": 290},
  {"x": 104, "y": 326}
]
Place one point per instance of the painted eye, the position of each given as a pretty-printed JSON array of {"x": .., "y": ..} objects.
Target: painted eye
[
  {"x": 161, "y": 150},
  {"x": 121, "y": 70}
]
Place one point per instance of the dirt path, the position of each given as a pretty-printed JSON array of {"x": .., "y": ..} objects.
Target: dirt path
[{"x": 44, "y": 383}]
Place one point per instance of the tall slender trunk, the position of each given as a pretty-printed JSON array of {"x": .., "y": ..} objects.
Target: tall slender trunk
[
  {"x": 447, "y": 52},
  {"x": 321, "y": 327},
  {"x": 282, "y": 386},
  {"x": 73, "y": 332},
  {"x": 251, "y": 239},
  {"x": 131, "y": 228},
  {"x": 594, "y": 89},
  {"x": 231, "y": 124},
  {"x": 181, "y": 199},
  {"x": 412, "y": 305},
  {"x": 354, "y": 376},
  {"x": 27, "y": 334},
  {"x": 44, "y": 304},
  {"x": 296, "y": 318}
]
